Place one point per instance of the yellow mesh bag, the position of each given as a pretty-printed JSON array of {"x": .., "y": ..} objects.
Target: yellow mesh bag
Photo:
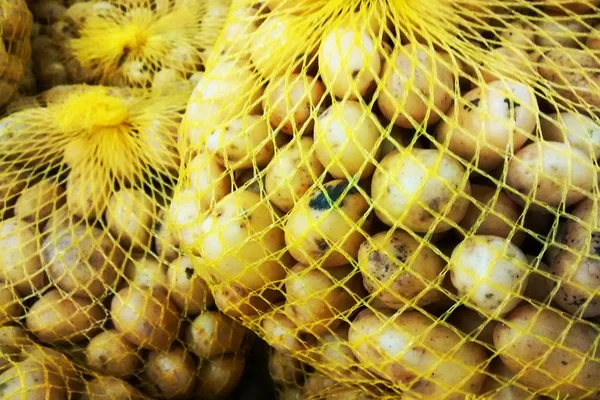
[{"x": 403, "y": 194}]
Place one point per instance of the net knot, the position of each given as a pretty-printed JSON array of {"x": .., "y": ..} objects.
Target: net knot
[{"x": 92, "y": 110}]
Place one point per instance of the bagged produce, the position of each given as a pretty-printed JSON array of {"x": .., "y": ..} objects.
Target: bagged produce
[{"x": 402, "y": 195}]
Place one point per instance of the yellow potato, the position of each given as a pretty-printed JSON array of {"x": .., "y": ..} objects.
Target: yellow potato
[
  {"x": 551, "y": 354},
  {"x": 326, "y": 221},
  {"x": 171, "y": 373},
  {"x": 147, "y": 273},
  {"x": 218, "y": 378},
  {"x": 519, "y": 33},
  {"x": 56, "y": 318},
  {"x": 578, "y": 130},
  {"x": 13, "y": 340},
  {"x": 500, "y": 386},
  {"x": 187, "y": 289},
  {"x": 87, "y": 195},
  {"x": 32, "y": 380},
  {"x": 540, "y": 286},
  {"x": 130, "y": 214},
  {"x": 282, "y": 333},
  {"x": 147, "y": 319},
  {"x": 209, "y": 179},
  {"x": 290, "y": 393},
  {"x": 237, "y": 302},
  {"x": 397, "y": 269},
  {"x": 37, "y": 202},
  {"x": 285, "y": 369},
  {"x": 10, "y": 305},
  {"x": 566, "y": 7},
  {"x": 110, "y": 354},
  {"x": 184, "y": 221},
  {"x": 110, "y": 388},
  {"x": 561, "y": 32},
  {"x": 59, "y": 362},
  {"x": 507, "y": 62},
  {"x": 169, "y": 79},
  {"x": 165, "y": 240},
  {"x": 212, "y": 334},
  {"x": 240, "y": 28},
  {"x": 473, "y": 324}
]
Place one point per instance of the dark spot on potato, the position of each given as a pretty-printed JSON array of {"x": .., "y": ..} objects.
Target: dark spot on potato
[
  {"x": 489, "y": 296},
  {"x": 146, "y": 328},
  {"x": 435, "y": 204},
  {"x": 322, "y": 245},
  {"x": 189, "y": 272},
  {"x": 595, "y": 244},
  {"x": 103, "y": 359},
  {"x": 563, "y": 362},
  {"x": 354, "y": 74},
  {"x": 472, "y": 104},
  {"x": 325, "y": 201}
]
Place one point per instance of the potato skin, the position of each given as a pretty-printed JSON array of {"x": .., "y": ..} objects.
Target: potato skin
[
  {"x": 498, "y": 385},
  {"x": 37, "y": 202},
  {"x": 186, "y": 288},
  {"x": 237, "y": 302},
  {"x": 544, "y": 347},
  {"x": 209, "y": 179},
  {"x": 32, "y": 380},
  {"x": 130, "y": 214},
  {"x": 578, "y": 130},
  {"x": 55, "y": 318},
  {"x": 109, "y": 388},
  {"x": 281, "y": 333},
  {"x": 218, "y": 378},
  {"x": 470, "y": 322},
  {"x": 404, "y": 266},
  {"x": 285, "y": 369},
  {"x": 10, "y": 306},
  {"x": 110, "y": 354},
  {"x": 171, "y": 373},
  {"x": 59, "y": 362},
  {"x": 212, "y": 334}
]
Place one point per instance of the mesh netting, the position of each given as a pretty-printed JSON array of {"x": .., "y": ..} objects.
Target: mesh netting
[{"x": 402, "y": 195}]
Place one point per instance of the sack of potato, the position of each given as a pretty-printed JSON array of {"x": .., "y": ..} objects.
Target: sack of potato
[{"x": 412, "y": 181}]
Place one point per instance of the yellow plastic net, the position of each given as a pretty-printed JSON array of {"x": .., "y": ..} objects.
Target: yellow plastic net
[{"x": 403, "y": 194}]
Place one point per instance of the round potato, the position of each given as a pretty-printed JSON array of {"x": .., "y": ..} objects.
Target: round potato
[
  {"x": 282, "y": 333},
  {"x": 500, "y": 385},
  {"x": 232, "y": 247},
  {"x": 326, "y": 224},
  {"x": 55, "y": 318},
  {"x": 397, "y": 269},
  {"x": 540, "y": 286},
  {"x": 507, "y": 62},
  {"x": 171, "y": 373},
  {"x": 285, "y": 369},
  {"x": 489, "y": 122},
  {"x": 347, "y": 140},
  {"x": 87, "y": 196},
  {"x": 110, "y": 388},
  {"x": 578, "y": 130},
  {"x": 165, "y": 240},
  {"x": 20, "y": 264},
  {"x": 411, "y": 180},
  {"x": 186, "y": 288},
  {"x": 561, "y": 32},
  {"x": 418, "y": 86},
  {"x": 13, "y": 340},
  {"x": 490, "y": 273},
  {"x": 147, "y": 273},
  {"x": 110, "y": 354},
  {"x": 290, "y": 393},
  {"x": 12, "y": 183},
  {"x": 292, "y": 172},
  {"x": 182, "y": 227},
  {"x": 219, "y": 377},
  {"x": 37, "y": 202},
  {"x": 519, "y": 33},
  {"x": 209, "y": 180},
  {"x": 551, "y": 174},
  {"x": 82, "y": 260},
  {"x": 59, "y": 362},
  {"x": 147, "y": 319},
  {"x": 349, "y": 61},
  {"x": 408, "y": 348},
  {"x": 10, "y": 306},
  {"x": 130, "y": 214},
  {"x": 318, "y": 300},
  {"x": 492, "y": 213},
  {"x": 240, "y": 28},
  {"x": 213, "y": 334},
  {"x": 237, "y": 302},
  {"x": 473, "y": 324},
  {"x": 316, "y": 383},
  {"x": 575, "y": 6},
  {"x": 291, "y": 100},
  {"x": 32, "y": 380},
  {"x": 528, "y": 344}
]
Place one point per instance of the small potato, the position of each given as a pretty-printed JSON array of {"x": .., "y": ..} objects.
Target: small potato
[
  {"x": 347, "y": 140},
  {"x": 551, "y": 354},
  {"x": 406, "y": 182},
  {"x": 110, "y": 354},
  {"x": 13, "y": 340},
  {"x": 32, "y": 380},
  {"x": 325, "y": 225},
  {"x": 165, "y": 240},
  {"x": 219, "y": 377},
  {"x": 186, "y": 288},
  {"x": 489, "y": 123},
  {"x": 578, "y": 130},
  {"x": 398, "y": 269},
  {"x": 147, "y": 273},
  {"x": 169, "y": 79},
  {"x": 473, "y": 324},
  {"x": 508, "y": 62},
  {"x": 147, "y": 319},
  {"x": 10, "y": 305},
  {"x": 316, "y": 383},
  {"x": 240, "y": 28},
  {"x": 561, "y": 32},
  {"x": 240, "y": 241},
  {"x": 539, "y": 286},
  {"x": 20, "y": 264},
  {"x": 213, "y": 334},
  {"x": 12, "y": 183},
  {"x": 492, "y": 213},
  {"x": 110, "y": 388},
  {"x": 490, "y": 273},
  {"x": 130, "y": 214},
  {"x": 290, "y": 102},
  {"x": 171, "y": 373},
  {"x": 285, "y": 369},
  {"x": 59, "y": 362},
  {"x": 37, "y": 202},
  {"x": 283, "y": 334},
  {"x": 237, "y": 302},
  {"x": 87, "y": 196},
  {"x": 551, "y": 174},
  {"x": 82, "y": 260},
  {"x": 418, "y": 86},
  {"x": 209, "y": 180},
  {"x": 55, "y": 318},
  {"x": 520, "y": 34},
  {"x": 318, "y": 300},
  {"x": 292, "y": 172},
  {"x": 408, "y": 348},
  {"x": 290, "y": 393},
  {"x": 500, "y": 385}
]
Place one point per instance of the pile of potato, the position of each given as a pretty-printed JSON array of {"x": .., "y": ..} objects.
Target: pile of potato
[{"x": 419, "y": 193}]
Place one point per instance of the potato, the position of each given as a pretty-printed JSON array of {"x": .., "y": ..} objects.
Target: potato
[
  {"x": 473, "y": 324},
  {"x": 492, "y": 213},
  {"x": 82, "y": 260},
  {"x": 349, "y": 393},
  {"x": 37, "y": 202},
  {"x": 551, "y": 354},
  {"x": 171, "y": 373},
  {"x": 147, "y": 319},
  {"x": 539, "y": 286},
  {"x": 209, "y": 180},
  {"x": 219, "y": 377},
  {"x": 398, "y": 139},
  {"x": 20, "y": 264},
  {"x": 407, "y": 181},
  {"x": 578, "y": 130},
  {"x": 408, "y": 348},
  {"x": 593, "y": 40},
  {"x": 165, "y": 240},
  {"x": 561, "y": 32},
  {"x": 398, "y": 269},
  {"x": 519, "y": 33},
  {"x": 242, "y": 143},
  {"x": 110, "y": 354},
  {"x": 56, "y": 318},
  {"x": 237, "y": 302},
  {"x": 316, "y": 383},
  {"x": 490, "y": 273},
  {"x": 10, "y": 305},
  {"x": 87, "y": 195},
  {"x": 551, "y": 174},
  {"x": 290, "y": 102},
  {"x": 240, "y": 28},
  {"x": 240, "y": 241},
  {"x": 169, "y": 79},
  {"x": 506, "y": 62},
  {"x": 290, "y": 393},
  {"x": 347, "y": 140},
  {"x": 567, "y": 7},
  {"x": 184, "y": 218},
  {"x": 13, "y": 340},
  {"x": 110, "y": 388},
  {"x": 212, "y": 334},
  {"x": 349, "y": 61},
  {"x": 147, "y": 273},
  {"x": 59, "y": 362},
  {"x": 326, "y": 224},
  {"x": 500, "y": 385},
  {"x": 490, "y": 122},
  {"x": 282, "y": 333},
  {"x": 318, "y": 300},
  {"x": 130, "y": 214},
  {"x": 32, "y": 380},
  {"x": 285, "y": 369},
  {"x": 186, "y": 288},
  {"x": 418, "y": 86}
]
